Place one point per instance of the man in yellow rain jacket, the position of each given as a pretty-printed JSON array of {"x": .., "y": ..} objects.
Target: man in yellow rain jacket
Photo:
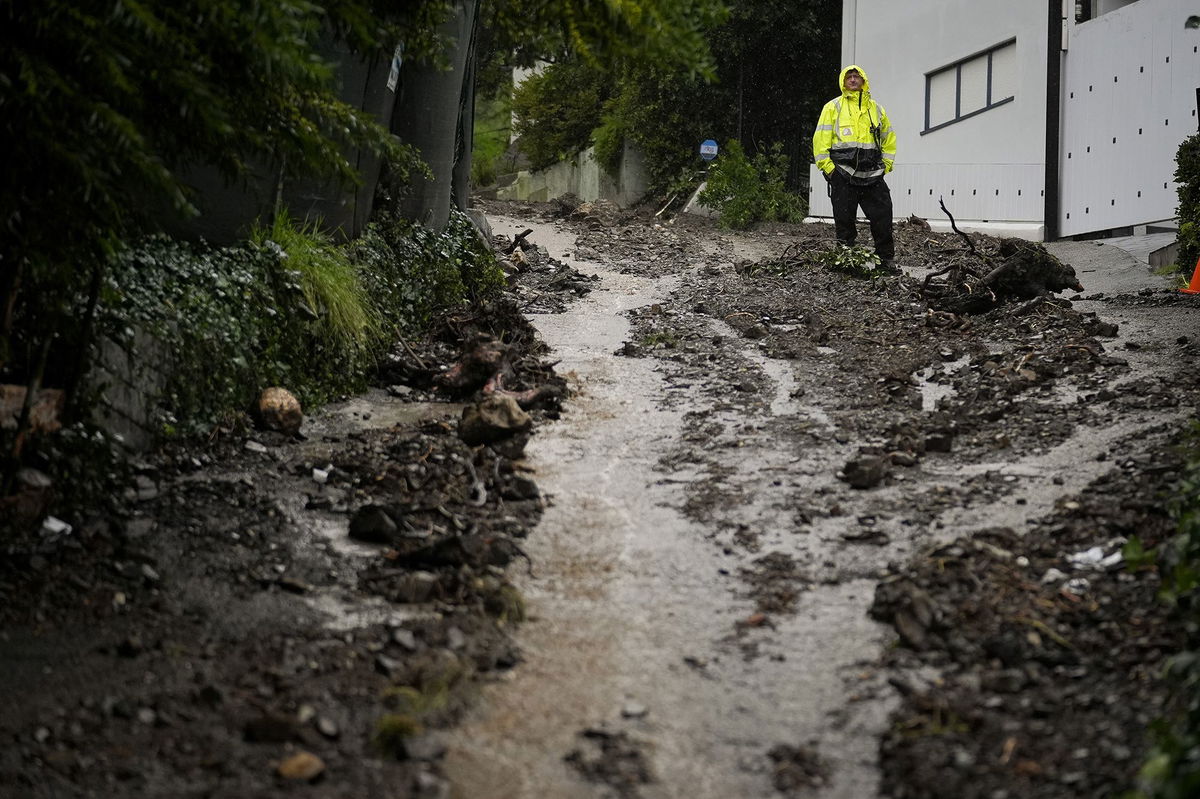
[{"x": 854, "y": 147}]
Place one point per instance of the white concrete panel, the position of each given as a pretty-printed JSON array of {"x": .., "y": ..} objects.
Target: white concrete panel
[{"x": 1129, "y": 95}]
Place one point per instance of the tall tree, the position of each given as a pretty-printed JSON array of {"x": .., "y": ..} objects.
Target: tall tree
[
  {"x": 103, "y": 103},
  {"x": 433, "y": 113},
  {"x": 772, "y": 62},
  {"x": 601, "y": 31}
]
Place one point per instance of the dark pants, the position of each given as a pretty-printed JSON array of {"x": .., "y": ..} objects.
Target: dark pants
[{"x": 875, "y": 201}]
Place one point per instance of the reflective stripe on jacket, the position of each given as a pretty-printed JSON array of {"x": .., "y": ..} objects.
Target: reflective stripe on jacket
[{"x": 845, "y": 138}]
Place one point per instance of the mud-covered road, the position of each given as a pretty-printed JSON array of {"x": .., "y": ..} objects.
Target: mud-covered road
[{"x": 783, "y": 532}]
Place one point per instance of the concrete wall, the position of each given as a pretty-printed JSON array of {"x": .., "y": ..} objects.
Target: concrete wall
[
  {"x": 131, "y": 380},
  {"x": 1129, "y": 98},
  {"x": 583, "y": 177}
]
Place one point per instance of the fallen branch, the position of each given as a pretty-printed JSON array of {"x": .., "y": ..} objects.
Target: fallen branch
[
  {"x": 954, "y": 227},
  {"x": 518, "y": 241}
]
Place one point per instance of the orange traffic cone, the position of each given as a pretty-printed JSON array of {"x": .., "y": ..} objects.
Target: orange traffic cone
[{"x": 1194, "y": 286}]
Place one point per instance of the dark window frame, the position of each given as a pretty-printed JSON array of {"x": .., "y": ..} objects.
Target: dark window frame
[{"x": 957, "y": 67}]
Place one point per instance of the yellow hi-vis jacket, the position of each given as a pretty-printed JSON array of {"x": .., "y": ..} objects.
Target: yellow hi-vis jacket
[{"x": 854, "y": 134}]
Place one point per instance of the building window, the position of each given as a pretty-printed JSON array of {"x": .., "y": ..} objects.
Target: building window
[
  {"x": 1090, "y": 9},
  {"x": 970, "y": 86}
]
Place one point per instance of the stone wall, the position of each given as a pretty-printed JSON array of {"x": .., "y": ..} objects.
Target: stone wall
[
  {"x": 130, "y": 380},
  {"x": 583, "y": 177}
]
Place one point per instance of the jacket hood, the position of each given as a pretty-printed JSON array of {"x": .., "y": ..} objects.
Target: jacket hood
[{"x": 842, "y": 78}]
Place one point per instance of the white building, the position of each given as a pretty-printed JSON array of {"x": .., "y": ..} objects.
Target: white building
[{"x": 1032, "y": 118}]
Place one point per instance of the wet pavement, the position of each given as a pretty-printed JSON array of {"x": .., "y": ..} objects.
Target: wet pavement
[{"x": 639, "y": 625}]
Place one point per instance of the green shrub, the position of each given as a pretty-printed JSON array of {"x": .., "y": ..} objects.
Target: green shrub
[
  {"x": 234, "y": 320},
  {"x": 289, "y": 309},
  {"x": 331, "y": 285},
  {"x": 1173, "y": 769},
  {"x": 1187, "y": 175},
  {"x": 746, "y": 191},
  {"x": 557, "y": 110},
  {"x": 413, "y": 273},
  {"x": 489, "y": 147},
  {"x": 857, "y": 261}
]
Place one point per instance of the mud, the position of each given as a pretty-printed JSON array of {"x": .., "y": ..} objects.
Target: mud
[{"x": 775, "y": 531}]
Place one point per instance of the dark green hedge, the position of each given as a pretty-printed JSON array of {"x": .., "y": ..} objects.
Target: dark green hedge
[
  {"x": 235, "y": 320},
  {"x": 1187, "y": 175}
]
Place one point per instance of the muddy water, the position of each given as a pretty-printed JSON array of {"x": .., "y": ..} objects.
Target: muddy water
[{"x": 634, "y": 607}]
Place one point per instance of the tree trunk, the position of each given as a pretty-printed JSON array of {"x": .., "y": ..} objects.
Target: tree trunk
[
  {"x": 427, "y": 115},
  {"x": 464, "y": 139}
]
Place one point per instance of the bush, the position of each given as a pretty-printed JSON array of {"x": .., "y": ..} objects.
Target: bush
[
  {"x": 489, "y": 148},
  {"x": 856, "y": 261},
  {"x": 1187, "y": 175},
  {"x": 234, "y": 320},
  {"x": 289, "y": 309},
  {"x": 332, "y": 290},
  {"x": 413, "y": 273},
  {"x": 746, "y": 191},
  {"x": 1173, "y": 768},
  {"x": 557, "y": 110}
]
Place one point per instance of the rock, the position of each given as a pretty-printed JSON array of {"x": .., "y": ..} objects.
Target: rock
[
  {"x": 520, "y": 487},
  {"x": 634, "y": 710},
  {"x": 865, "y": 472},
  {"x": 416, "y": 587},
  {"x": 302, "y": 766},
  {"x": 131, "y": 646},
  {"x": 756, "y": 332},
  {"x": 494, "y": 419},
  {"x": 941, "y": 441},
  {"x": 278, "y": 409},
  {"x": 327, "y": 727},
  {"x": 373, "y": 524},
  {"x": 387, "y": 666},
  {"x": 455, "y": 639},
  {"x": 405, "y": 639},
  {"x": 426, "y": 748},
  {"x": 513, "y": 447},
  {"x": 269, "y": 728}
]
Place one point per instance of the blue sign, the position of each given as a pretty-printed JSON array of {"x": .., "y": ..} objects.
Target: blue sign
[{"x": 708, "y": 149}]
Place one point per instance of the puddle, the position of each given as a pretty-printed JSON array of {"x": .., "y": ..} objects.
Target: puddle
[{"x": 932, "y": 390}]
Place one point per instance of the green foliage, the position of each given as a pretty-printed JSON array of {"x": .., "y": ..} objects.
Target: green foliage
[
  {"x": 857, "y": 261},
  {"x": 291, "y": 309},
  {"x": 392, "y": 732},
  {"x": 746, "y": 191},
  {"x": 1173, "y": 769},
  {"x": 489, "y": 149},
  {"x": 233, "y": 321},
  {"x": 670, "y": 32},
  {"x": 557, "y": 109},
  {"x": 413, "y": 273},
  {"x": 665, "y": 115},
  {"x": 1187, "y": 175},
  {"x": 108, "y": 104},
  {"x": 331, "y": 286},
  {"x": 775, "y": 64},
  {"x": 661, "y": 339}
]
